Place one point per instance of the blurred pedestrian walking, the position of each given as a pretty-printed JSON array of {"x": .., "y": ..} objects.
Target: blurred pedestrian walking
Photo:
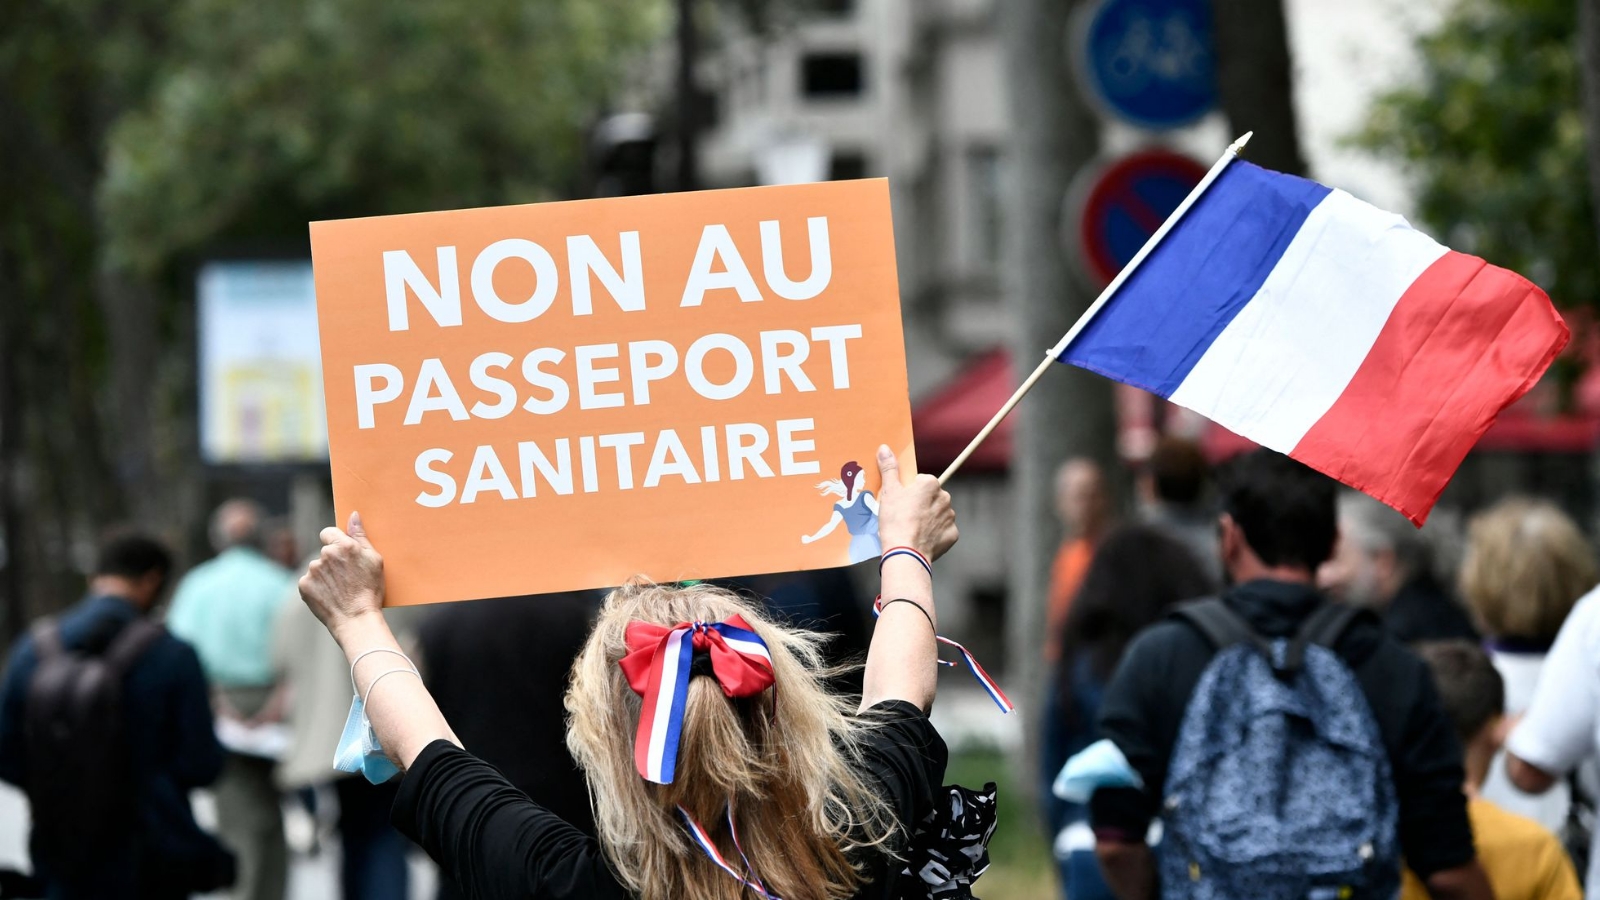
[
  {"x": 1083, "y": 504},
  {"x": 498, "y": 670},
  {"x": 1172, "y": 487},
  {"x": 316, "y": 678},
  {"x": 1291, "y": 747},
  {"x": 1136, "y": 577},
  {"x": 1384, "y": 563},
  {"x": 278, "y": 542},
  {"x": 1523, "y": 859},
  {"x": 1526, "y": 564},
  {"x": 227, "y": 608},
  {"x": 106, "y": 725}
]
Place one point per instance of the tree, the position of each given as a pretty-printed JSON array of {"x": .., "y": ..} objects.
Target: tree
[
  {"x": 1493, "y": 136},
  {"x": 357, "y": 107},
  {"x": 141, "y": 135},
  {"x": 1069, "y": 413},
  {"x": 1589, "y": 35},
  {"x": 1255, "y": 80}
]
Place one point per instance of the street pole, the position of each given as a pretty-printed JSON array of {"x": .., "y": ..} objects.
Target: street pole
[
  {"x": 1054, "y": 135},
  {"x": 688, "y": 98},
  {"x": 1589, "y": 70},
  {"x": 1255, "y": 79}
]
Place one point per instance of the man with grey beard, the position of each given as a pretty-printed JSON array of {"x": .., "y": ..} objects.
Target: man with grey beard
[{"x": 1384, "y": 563}]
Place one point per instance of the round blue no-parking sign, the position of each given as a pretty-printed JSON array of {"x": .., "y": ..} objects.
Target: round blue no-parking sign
[
  {"x": 1127, "y": 202},
  {"x": 1150, "y": 62}
]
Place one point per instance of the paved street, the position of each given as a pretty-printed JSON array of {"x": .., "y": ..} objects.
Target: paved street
[{"x": 311, "y": 877}]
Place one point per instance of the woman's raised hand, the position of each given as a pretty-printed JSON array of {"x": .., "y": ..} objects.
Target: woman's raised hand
[
  {"x": 916, "y": 515},
  {"x": 346, "y": 582}
]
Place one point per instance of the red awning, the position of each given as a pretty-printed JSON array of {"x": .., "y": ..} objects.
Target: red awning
[
  {"x": 949, "y": 417},
  {"x": 952, "y": 415}
]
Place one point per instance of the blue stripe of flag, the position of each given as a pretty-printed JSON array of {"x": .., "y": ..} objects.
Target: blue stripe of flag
[{"x": 1163, "y": 318}]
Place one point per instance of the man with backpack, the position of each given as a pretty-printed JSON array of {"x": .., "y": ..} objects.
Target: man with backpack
[
  {"x": 105, "y": 723},
  {"x": 1290, "y": 747}
]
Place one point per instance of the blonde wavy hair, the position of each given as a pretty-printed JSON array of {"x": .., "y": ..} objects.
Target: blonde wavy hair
[
  {"x": 1526, "y": 565},
  {"x": 803, "y": 809}
]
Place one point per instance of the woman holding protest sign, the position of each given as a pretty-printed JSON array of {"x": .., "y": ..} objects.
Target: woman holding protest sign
[{"x": 702, "y": 786}]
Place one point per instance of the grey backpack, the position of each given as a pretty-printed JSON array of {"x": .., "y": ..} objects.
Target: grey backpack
[{"x": 1279, "y": 786}]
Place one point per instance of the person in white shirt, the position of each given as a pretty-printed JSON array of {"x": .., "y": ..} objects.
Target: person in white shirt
[
  {"x": 1560, "y": 733},
  {"x": 1526, "y": 564}
]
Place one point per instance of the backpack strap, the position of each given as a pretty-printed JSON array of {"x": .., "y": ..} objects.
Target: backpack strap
[
  {"x": 47, "y": 638},
  {"x": 1220, "y": 624},
  {"x": 1323, "y": 627},
  {"x": 131, "y": 643}
]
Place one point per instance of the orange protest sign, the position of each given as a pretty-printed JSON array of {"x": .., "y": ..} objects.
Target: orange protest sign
[{"x": 565, "y": 395}]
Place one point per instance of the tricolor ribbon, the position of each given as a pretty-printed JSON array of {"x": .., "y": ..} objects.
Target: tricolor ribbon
[
  {"x": 658, "y": 665},
  {"x": 702, "y": 838},
  {"x": 989, "y": 685}
]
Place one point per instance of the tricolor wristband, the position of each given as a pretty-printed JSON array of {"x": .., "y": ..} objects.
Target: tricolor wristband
[{"x": 906, "y": 551}]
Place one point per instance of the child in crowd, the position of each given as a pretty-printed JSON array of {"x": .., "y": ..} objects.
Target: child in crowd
[{"x": 1523, "y": 860}]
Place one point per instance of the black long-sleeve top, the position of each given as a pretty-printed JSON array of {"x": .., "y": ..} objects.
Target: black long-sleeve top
[
  {"x": 498, "y": 670},
  {"x": 499, "y": 845}
]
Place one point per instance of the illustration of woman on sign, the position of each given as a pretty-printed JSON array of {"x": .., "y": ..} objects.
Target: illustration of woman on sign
[{"x": 858, "y": 511}]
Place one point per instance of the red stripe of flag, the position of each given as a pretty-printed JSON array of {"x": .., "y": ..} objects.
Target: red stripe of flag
[{"x": 1464, "y": 342}]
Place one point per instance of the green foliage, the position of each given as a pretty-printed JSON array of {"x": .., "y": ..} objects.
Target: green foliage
[
  {"x": 1493, "y": 136},
  {"x": 275, "y": 113},
  {"x": 138, "y": 135}
]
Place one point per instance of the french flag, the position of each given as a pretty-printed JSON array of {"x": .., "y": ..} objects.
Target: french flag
[{"x": 1327, "y": 329}]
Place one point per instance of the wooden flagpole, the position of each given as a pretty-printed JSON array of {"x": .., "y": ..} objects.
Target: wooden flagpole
[{"x": 1055, "y": 352}]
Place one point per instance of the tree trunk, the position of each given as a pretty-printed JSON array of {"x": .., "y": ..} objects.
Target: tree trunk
[
  {"x": 130, "y": 311},
  {"x": 1255, "y": 80},
  {"x": 1589, "y": 62},
  {"x": 1589, "y": 74},
  {"x": 1069, "y": 413},
  {"x": 688, "y": 98},
  {"x": 12, "y": 555}
]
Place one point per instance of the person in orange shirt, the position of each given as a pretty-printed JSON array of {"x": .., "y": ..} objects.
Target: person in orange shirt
[
  {"x": 1523, "y": 860},
  {"x": 1084, "y": 506}
]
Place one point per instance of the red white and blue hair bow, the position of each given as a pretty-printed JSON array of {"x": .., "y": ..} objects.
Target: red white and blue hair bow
[{"x": 658, "y": 664}]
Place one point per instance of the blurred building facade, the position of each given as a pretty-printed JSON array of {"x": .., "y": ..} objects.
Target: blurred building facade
[
  {"x": 913, "y": 90},
  {"x": 910, "y": 90}
]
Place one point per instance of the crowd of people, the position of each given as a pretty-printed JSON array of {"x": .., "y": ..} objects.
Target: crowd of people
[
  {"x": 1470, "y": 651},
  {"x": 1260, "y": 685},
  {"x": 245, "y": 694}
]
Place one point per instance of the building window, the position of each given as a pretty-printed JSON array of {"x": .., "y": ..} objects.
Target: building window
[
  {"x": 985, "y": 218},
  {"x": 847, "y": 164},
  {"x": 830, "y": 76}
]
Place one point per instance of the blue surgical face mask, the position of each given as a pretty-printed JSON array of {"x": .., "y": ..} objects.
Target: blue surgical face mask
[
  {"x": 1100, "y": 765},
  {"x": 358, "y": 749}
]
